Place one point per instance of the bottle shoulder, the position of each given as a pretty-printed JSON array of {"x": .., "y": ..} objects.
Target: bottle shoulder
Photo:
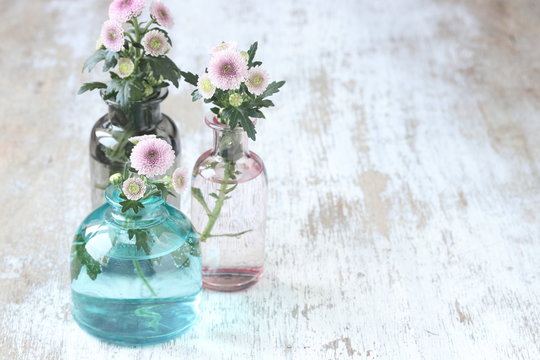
[
  {"x": 102, "y": 237},
  {"x": 107, "y": 137},
  {"x": 104, "y": 123}
]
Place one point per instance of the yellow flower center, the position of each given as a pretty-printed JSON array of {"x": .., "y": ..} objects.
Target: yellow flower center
[
  {"x": 180, "y": 180},
  {"x": 206, "y": 85},
  {"x": 134, "y": 188},
  {"x": 155, "y": 43},
  {"x": 256, "y": 80},
  {"x": 125, "y": 68}
]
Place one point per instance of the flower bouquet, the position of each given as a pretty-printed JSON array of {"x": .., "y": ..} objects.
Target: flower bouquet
[
  {"x": 134, "y": 55},
  {"x": 229, "y": 181}
]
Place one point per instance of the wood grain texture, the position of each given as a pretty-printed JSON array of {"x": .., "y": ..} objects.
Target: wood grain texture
[{"x": 403, "y": 164}]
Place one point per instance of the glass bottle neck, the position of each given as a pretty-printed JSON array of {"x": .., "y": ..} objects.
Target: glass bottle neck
[
  {"x": 230, "y": 144},
  {"x": 152, "y": 213},
  {"x": 144, "y": 218}
]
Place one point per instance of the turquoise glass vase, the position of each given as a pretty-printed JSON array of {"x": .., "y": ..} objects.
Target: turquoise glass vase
[{"x": 135, "y": 278}]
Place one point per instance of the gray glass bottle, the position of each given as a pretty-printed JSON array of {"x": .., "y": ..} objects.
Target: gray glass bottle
[{"x": 109, "y": 141}]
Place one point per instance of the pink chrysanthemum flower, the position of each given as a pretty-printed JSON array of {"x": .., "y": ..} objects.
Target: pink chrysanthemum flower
[
  {"x": 124, "y": 10},
  {"x": 205, "y": 86},
  {"x": 227, "y": 69},
  {"x": 179, "y": 180},
  {"x": 155, "y": 43},
  {"x": 161, "y": 14},
  {"x": 137, "y": 139},
  {"x": 152, "y": 157},
  {"x": 257, "y": 80},
  {"x": 112, "y": 35},
  {"x": 230, "y": 45},
  {"x": 134, "y": 188}
]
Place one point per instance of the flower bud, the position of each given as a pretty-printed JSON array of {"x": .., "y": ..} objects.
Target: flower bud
[
  {"x": 235, "y": 99},
  {"x": 115, "y": 178},
  {"x": 148, "y": 90},
  {"x": 245, "y": 55},
  {"x": 99, "y": 43}
]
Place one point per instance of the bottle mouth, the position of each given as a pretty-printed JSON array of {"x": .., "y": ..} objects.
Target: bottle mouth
[
  {"x": 156, "y": 97},
  {"x": 112, "y": 196}
]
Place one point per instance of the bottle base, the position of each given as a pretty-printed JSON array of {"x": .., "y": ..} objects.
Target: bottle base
[
  {"x": 132, "y": 341},
  {"x": 135, "y": 322},
  {"x": 230, "y": 279}
]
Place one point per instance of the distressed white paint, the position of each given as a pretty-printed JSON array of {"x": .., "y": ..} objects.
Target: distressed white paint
[{"x": 403, "y": 168}]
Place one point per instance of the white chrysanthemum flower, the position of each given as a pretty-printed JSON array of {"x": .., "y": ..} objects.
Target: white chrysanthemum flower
[
  {"x": 223, "y": 46},
  {"x": 257, "y": 80},
  {"x": 125, "y": 67},
  {"x": 179, "y": 180},
  {"x": 155, "y": 43},
  {"x": 134, "y": 188},
  {"x": 205, "y": 86}
]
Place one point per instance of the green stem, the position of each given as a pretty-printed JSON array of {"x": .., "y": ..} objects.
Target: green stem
[
  {"x": 118, "y": 152},
  {"x": 213, "y": 216},
  {"x": 230, "y": 235},
  {"x": 150, "y": 194},
  {"x": 140, "y": 274},
  {"x": 130, "y": 37},
  {"x": 148, "y": 25},
  {"x": 137, "y": 29}
]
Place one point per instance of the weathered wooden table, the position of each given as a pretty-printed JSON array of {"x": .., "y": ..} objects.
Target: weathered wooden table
[{"x": 403, "y": 160}]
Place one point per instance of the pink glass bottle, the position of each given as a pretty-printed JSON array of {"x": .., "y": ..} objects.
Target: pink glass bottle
[{"x": 228, "y": 209}]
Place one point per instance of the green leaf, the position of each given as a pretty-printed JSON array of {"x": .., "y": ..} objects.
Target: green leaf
[
  {"x": 232, "y": 115},
  {"x": 163, "y": 189},
  {"x": 190, "y": 78},
  {"x": 272, "y": 88},
  {"x": 197, "y": 194},
  {"x": 231, "y": 189},
  {"x": 195, "y": 248},
  {"x": 163, "y": 66},
  {"x": 263, "y": 103},
  {"x": 255, "y": 113},
  {"x": 196, "y": 95},
  {"x": 236, "y": 115},
  {"x": 251, "y": 52},
  {"x": 125, "y": 171},
  {"x": 124, "y": 93},
  {"x": 181, "y": 255},
  {"x": 131, "y": 204},
  {"x": 248, "y": 126},
  {"x": 111, "y": 59},
  {"x": 142, "y": 240},
  {"x": 91, "y": 86},
  {"x": 83, "y": 258},
  {"x": 123, "y": 89},
  {"x": 95, "y": 58}
]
